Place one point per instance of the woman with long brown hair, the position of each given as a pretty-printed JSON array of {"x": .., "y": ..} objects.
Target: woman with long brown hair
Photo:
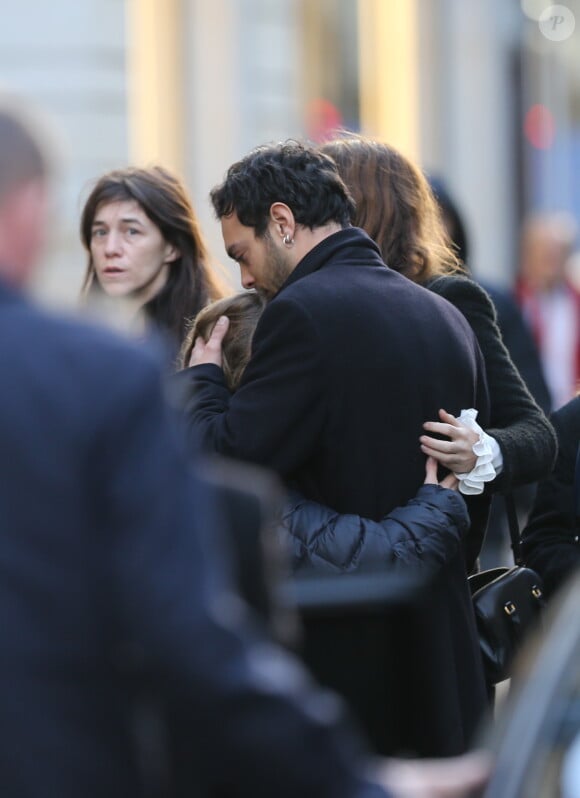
[
  {"x": 435, "y": 672},
  {"x": 396, "y": 207},
  {"x": 144, "y": 244}
]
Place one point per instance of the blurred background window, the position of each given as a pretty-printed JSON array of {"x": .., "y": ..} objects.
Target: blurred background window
[{"x": 481, "y": 92}]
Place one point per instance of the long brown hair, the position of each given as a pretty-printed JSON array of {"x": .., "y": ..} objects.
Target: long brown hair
[
  {"x": 243, "y": 310},
  {"x": 191, "y": 283},
  {"x": 395, "y": 206}
]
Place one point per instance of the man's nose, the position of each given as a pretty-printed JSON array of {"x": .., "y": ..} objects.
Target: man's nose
[{"x": 247, "y": 279}]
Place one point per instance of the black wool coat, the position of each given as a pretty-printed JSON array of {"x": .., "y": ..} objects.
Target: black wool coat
[{"x": 348, "y": 360}]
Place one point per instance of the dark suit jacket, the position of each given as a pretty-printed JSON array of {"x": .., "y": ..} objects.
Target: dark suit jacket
[
  {"x": 349, "y": 359},
  {"x": 110, "y": 590},
  {"x": 551, "y": 539}
]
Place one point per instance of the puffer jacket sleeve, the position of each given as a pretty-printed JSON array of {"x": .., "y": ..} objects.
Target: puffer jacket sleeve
[
  {"x": 425, "y": 533},
  {"x": 524, "y": 434}
]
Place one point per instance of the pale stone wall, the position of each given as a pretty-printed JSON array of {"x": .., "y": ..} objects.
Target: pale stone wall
[
  {"x": 68, "y": 57},
  {"x": 241, "y": 89},
  {"x": 468, "y": 120}
]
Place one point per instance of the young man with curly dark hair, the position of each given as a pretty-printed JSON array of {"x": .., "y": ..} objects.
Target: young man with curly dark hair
[{"x": 348, "y": 360}]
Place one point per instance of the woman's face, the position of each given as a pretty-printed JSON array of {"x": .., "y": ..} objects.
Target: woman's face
[{"x": 129, "y": 254}]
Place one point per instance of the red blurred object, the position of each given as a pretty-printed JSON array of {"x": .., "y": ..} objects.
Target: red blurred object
[
  {"x": 323, "y": 119},
  {"x": 540, "y": 127}
]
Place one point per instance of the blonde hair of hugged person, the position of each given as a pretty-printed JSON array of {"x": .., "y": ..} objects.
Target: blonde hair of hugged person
[{"x": 243, "y": 311}]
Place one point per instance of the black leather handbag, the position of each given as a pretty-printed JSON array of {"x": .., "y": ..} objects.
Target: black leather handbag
[{"x": 507, "y": 603}]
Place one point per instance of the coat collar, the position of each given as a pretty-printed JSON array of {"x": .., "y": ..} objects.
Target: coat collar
[{"x": 352, "y": 243}]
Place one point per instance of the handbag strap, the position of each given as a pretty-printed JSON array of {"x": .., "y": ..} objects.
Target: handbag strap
[{"x": 512, "y": 516}]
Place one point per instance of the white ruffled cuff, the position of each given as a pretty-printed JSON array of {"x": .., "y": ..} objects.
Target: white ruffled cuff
[{"x": 489, "y": 458}]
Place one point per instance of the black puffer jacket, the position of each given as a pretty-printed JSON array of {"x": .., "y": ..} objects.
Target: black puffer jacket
[{"x": 425, "y": 533}]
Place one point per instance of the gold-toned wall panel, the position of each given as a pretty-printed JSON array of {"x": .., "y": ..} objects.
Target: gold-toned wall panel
[
  {"x": 155, "y": 73},
  {"x": 388, "y": 68}
]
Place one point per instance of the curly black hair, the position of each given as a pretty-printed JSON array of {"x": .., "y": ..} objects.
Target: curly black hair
[{"x": 290, "y": 172}]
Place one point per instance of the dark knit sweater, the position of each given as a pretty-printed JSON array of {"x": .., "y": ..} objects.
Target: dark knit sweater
[{"x": 524, "y": 434}]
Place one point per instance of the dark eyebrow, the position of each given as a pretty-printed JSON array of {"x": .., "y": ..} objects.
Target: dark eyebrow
[
  {"x": 129, "y": 220},
  {"x": 126, "y": 220},
  {"x": 233, "y": 252}
]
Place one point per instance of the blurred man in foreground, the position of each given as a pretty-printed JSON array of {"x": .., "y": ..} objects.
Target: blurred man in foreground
[{"x": 110, "y": 591}]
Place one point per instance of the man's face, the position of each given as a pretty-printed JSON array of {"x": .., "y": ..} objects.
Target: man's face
[
  {"x": 264, "y": 263},
  {"x": 544, "y": 259},
  {"x": 23, "y": 229}
]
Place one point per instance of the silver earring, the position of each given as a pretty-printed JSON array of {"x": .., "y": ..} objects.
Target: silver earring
[{"x": 288, "y": 241}]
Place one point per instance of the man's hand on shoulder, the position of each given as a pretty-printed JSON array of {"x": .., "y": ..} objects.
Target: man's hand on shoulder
[{"x": 210, "y": 351}]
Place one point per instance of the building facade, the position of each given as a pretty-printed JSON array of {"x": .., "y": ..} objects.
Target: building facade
[{"x": 194, "y": 84}]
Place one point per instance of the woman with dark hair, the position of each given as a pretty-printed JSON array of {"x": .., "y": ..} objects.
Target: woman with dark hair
[
  {"x": 435, "y": 639},
  {"x": 144, "y": 243},
  {"x": 396, "y": 207}
]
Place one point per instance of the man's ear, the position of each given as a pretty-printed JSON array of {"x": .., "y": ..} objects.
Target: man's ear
[{"x": 283, "y": 219}]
